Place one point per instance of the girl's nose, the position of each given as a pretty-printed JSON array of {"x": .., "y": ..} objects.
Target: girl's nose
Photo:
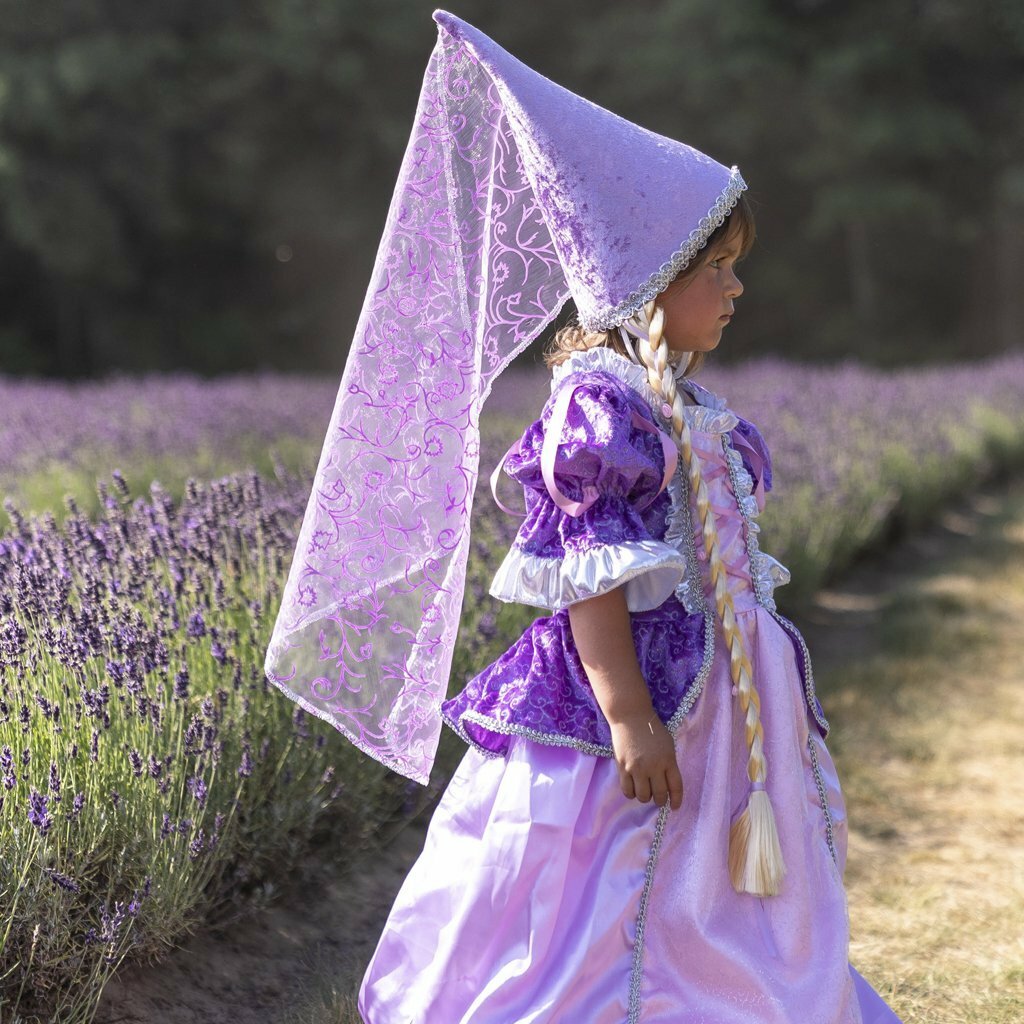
[{"x": 734, "y": 286}]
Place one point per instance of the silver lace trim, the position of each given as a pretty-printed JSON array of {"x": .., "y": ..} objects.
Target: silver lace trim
[
  {"x": 702, "y": 395},
  {"x": 681, "y": 524},
  {"x": 585, "y": 746},
  {"x": 636, "y": 974},
  {"x": 648, "y": 569},
  {"x": 826, "y": 810},
  {"x": 819, "y": 782},
  {"x": 459, "y": 729},
  {"x": 767, "y": 572},
  {"x": 809, "y": 681},
  {"x": 552, "y": 739},
  {"x": 614, "y": 315},
  {"x": 678, "y": 531},
  {"x": 704, "y": 418}
]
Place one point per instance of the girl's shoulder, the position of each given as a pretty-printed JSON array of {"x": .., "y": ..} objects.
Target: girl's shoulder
[{"x": 601, "y": 366}]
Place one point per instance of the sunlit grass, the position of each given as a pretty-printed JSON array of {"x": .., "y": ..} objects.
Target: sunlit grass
[{"x": 930, "y": 721}]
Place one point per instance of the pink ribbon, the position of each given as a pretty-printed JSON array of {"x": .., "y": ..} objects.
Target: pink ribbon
[{"x": 549, "y": 451}]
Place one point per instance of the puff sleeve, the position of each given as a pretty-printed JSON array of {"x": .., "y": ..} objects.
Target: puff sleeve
[
  {"x": 756, "y": 458},
  {"x": 593, "y": 524}
]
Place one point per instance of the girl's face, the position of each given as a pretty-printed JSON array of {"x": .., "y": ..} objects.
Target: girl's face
[{"x": 697, "y": 307}]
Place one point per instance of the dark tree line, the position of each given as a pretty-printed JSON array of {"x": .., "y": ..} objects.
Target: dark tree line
[{"x": 203, "y": 184}]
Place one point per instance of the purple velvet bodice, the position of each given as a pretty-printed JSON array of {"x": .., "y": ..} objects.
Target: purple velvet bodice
[{"x": 538, "y": 687}]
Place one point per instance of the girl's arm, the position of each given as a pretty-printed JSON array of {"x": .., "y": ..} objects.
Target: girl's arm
[{"x": 643, "y": 746}]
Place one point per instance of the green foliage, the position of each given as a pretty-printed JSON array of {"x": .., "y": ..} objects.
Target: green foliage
[{"x": 204, "y": 185}]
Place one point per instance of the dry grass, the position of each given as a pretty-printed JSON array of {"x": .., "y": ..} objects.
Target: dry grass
[{"x": 928, "y": 724}]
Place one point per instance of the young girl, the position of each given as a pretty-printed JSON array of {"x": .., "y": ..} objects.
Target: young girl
[
  {"x": 560, "y": 884},
  {"x": 647, "y": 827}
]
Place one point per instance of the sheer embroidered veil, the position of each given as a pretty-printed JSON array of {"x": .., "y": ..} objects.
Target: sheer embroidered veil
[{"x": 503, "y": 209}]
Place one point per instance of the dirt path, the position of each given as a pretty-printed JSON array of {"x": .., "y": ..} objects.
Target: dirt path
[
  {"x": 919, "y": 659},
  {"x": 922, "y": 664}
]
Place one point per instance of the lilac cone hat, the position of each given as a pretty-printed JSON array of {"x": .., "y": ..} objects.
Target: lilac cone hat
[
  {"x": 514, "y": 195},
  {"x": 627, "y": 209}
]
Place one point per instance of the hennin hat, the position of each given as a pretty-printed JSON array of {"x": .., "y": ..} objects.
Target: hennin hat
[{"x": 514, "y": 195}]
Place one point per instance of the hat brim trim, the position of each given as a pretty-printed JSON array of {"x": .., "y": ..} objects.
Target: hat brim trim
[{"x": 604, "y": 320}]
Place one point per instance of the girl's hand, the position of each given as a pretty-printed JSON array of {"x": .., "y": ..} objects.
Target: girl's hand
[{"x": 647, "y": 761}]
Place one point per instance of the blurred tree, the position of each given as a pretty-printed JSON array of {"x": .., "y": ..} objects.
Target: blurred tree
[
  {"x": 203, "y": 184},
  {"x": 883, "y": 143},
  {"x": 192, "y": 184}
]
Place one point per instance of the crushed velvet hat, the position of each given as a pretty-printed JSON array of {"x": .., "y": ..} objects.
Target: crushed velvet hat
[{"x": 514, "y": 195}]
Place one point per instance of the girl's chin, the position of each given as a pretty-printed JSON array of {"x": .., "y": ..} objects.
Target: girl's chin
[{"x": 705, "y": 346}]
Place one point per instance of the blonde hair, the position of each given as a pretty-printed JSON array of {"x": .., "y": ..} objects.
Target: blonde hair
[
  {"x": 576, "y": 338},
  {"x": 755, "y": 856}
]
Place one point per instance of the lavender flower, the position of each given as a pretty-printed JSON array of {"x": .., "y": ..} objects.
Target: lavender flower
[
  {"x": 195, "y": 847},
  {"x": 181, "y": 681},
  {"x": 39, "y": 812},
  {"x": 197, "y": 787},
  {"x": 62, "y": 880},
  {"x": 76, "y": 807}
]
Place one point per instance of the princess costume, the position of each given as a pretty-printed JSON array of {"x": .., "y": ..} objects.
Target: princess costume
[{"x": 543, "y": 894}]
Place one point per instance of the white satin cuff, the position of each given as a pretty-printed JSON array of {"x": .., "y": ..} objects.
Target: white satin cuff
[{"x": 650, "y": 570}]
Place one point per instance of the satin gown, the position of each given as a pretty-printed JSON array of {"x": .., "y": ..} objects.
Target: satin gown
[{"x": 544, "y": 896}]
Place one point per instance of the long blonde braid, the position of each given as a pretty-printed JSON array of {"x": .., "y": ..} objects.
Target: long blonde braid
[{"x": 755, "y": 857}]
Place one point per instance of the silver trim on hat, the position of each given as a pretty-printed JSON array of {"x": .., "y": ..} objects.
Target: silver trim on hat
[{"x": 667, "y": 273}]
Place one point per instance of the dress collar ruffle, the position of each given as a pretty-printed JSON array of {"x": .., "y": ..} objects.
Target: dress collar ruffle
[{"x": 710, "y": 415}]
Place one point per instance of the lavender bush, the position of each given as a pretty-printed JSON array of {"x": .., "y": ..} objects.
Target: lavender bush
[
  {"x": 152, "y": 779},
  {"x": 58, "y": 438}
]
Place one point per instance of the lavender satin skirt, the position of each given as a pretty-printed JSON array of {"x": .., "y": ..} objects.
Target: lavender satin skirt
[{"x": 544, "y": 896}]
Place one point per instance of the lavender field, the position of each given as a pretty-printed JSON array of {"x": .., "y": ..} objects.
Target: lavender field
[
  {"x": 152, "y": 780},
  {"x": 58, "y": 438}
]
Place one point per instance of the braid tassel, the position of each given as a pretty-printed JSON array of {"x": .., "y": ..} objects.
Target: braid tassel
[{"x": 755, "y": 856}]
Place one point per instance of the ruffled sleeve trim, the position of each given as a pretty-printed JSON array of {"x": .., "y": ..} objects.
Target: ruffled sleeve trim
[{"x": 649, "y": 570}]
